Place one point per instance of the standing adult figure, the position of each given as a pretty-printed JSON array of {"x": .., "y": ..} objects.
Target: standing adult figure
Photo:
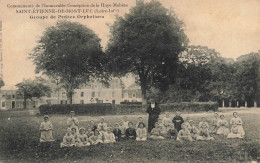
[{"x": 154, "y": 111}]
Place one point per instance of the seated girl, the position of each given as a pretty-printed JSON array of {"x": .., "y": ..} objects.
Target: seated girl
[
  {"x": 194, "y": 132},
  {"x": 204, "y": 133},
  {"x": 214, "y": 123},
  {"x": 203, "y": 120},
  {"x": 68, "y": 140},
  {"x": 234, "y": 132},
  {"x": 130, "y": 132},
  {"x": 140, "y": 120},
  {"x": 96, "y": 138},
  {"x": 167, "y": 121},
  {"x": 161, "y": 126},
  {"x": 238, "y": 121},
  {"x": 122, "y": 128},
  {"x": 74, "y": 134},
  {"x": 223, "y": 126},
  {"x": 82, "y": 138},
  {"x": 184, "y": 134},
  {"x": 109, "y": 136},
  {"x": 156, "y": 132},
  {"x": 117, "y": 132},
  {"x": 141, "y": 132},
  {"x": 102, "y": 126},
  {"x": 93, "y": 126},
  {"x": 89, "y": 131},
  {"x": 172, "y": 132},
  {"x": 187, "y": 123}
]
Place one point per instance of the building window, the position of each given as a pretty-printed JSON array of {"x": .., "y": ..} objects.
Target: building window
[
  {"x": 82, "y": 94},
  {"x": 93, "y": 94},
  {"x": 13, "y": 96},
  {"x": 63, "y": 94},
  {"x": 81, "y": 101},
  {"x": 63, "y": 102},
  {"x": 133, "y": 95},
  {"x": 3, "y": 104}
]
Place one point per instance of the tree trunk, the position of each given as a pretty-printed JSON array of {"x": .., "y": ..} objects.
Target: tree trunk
[
  {"x": 255, "y": 104},
  {"x": 246, "y": 104},
  {"x": 70, "y": 93},
  {"x": 143, "y": 88},
  {"x": 223, "y": 103}
]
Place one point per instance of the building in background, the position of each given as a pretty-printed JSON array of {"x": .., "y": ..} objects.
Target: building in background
[
  {"x": 132, "y": 94},
  {"x": 1, "y": 57}
]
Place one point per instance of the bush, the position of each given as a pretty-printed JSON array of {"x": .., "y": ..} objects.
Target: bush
[
  {"x": 108, "y": 109},
  {"x": 91, "y": 109},
  {"x": 131, "y": 103}
]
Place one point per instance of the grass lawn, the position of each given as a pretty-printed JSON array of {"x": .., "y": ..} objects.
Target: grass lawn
[{"x": 19, "y": 142}]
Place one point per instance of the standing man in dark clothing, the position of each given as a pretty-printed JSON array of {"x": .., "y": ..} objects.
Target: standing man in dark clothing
[
  {"x": 177, "y": 121},
  {"x": 154, "y": 111}
]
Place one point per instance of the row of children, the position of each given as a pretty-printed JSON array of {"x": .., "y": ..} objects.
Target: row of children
[{"x": 164, "y": 128}]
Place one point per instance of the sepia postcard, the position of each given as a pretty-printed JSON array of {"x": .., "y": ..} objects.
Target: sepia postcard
[{"x": 129, "y": 81}]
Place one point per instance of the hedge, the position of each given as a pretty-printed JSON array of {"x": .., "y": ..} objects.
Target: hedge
[
  {"x": 109, "y": 109},
  {"x": 91, "y": 109}
]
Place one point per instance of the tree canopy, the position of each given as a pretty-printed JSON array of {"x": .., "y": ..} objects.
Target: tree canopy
[
  {"x": 32, "y": 88},
  {"x": 147, "y": 42},
  {"x": 71, "y": 52}
]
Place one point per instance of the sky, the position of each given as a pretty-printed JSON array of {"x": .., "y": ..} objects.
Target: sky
[{"x": 231, "y": 27}]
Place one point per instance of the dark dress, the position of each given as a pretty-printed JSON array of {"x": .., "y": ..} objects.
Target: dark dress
[
  {"x": 117, "y": 133},
  {"x": 130, "y": 133},
  {"x": 153, "y": 116},
  {"x": 93, "y": 128},
  {"x": 177, "y": 121}
]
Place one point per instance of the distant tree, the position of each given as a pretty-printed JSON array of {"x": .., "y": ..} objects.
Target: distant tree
[
  {"x": 32, "y": 88},
  {"x": 146, "y": 42},
  {"x": 71, "y": 52},
  {"x": 247, "y": 77}
]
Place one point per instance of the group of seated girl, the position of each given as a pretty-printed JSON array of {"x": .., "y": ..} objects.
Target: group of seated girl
[{"x": 174, "y": 128}]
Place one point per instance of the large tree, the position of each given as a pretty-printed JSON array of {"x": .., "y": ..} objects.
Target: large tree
[
  {"x": 146, "y": 42},
  {"x": 32, "y": 88},
  {"x": 71, "y": 52}
]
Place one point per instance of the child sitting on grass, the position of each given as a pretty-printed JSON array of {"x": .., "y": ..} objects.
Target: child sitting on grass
[
  {"x": 194, "y": 132},
  {"x": 203, "y": 121},
  {"x": 96, "y": 138},
  {"x": 68, "y": 140},
  {"x": 109, "y": 136},
  {"x": 234, "y": 132},
  {"x": 93, "y": 126},
  {"x": 141, "y": 132},
  {"x": 223, "y": 126},
  {"x": 130, "y": 132},
  {"x": 122, "y": 128},
  {"x": 238, "y": 121},
  {"x": 140, "y": 121},
  {"x": 177, "y": 121},
  {"x": 74, "y": 134},
  {"x": 184, "y": 134},
  {"x": 172, "y": 132},
  {"x": 187, "y": 123},
  {"x": 167, "y": 121},
  {"x": 204, "y": 133},
  {"x": 117, "y": 132},
  {"x": 89, "y": 131},
  {"x": 46, "y": 130},
  {"x": 161, "y": 126},
  {"x": 82, "y": 138},
  {"x": 156, "y": 132},
  {"x": 214, "y": 123},
  {"x": 102, "y": 126},
  {"x": 125, "y": 121}
]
